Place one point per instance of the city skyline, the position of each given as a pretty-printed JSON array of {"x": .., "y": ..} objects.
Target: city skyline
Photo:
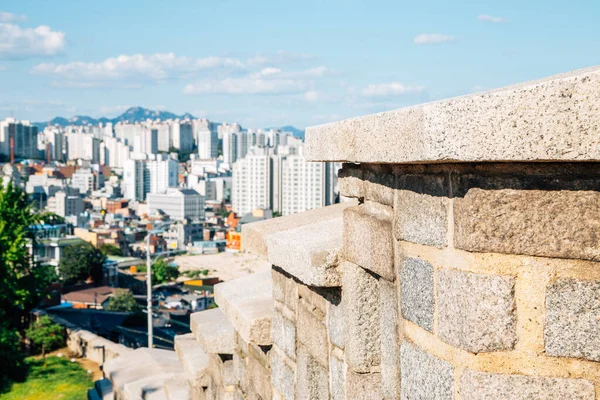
[{"x": 271, "y": 65}]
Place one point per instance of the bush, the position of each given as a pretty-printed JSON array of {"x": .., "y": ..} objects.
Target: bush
[
  {"x": 122, "y": 300},
  {"x": 45, "y": 335}
]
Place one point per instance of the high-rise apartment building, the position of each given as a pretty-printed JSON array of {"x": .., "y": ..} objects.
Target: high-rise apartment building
[
  {"x": 83, "y": 146},
  {"x": 141, "y": 177},
  {"x": 182, "y": 136},
  {"x": 208, "y": 144},
  {"x": 23, "y": 137},
  {"x": 252, "y": 182}
]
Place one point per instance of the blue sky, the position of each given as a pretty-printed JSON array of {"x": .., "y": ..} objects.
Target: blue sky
[{"x": 272, "y": 63}]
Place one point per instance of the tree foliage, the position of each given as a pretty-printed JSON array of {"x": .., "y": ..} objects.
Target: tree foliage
[
  {"x": 81, "y": 261},
  {"x": 45, "y": 335},
  {"x": 122, "y": 300},
  {"x": 163, "y": 272},
  {"x": 110, "y": 250},
  {"x": 23, "y": 283}
]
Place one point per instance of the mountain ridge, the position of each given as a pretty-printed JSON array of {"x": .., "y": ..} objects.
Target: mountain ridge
[{"x": 137, "y": 114}]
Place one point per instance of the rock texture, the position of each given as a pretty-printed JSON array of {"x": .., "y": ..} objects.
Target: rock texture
[
  {"x": 572, "y": 319},
  {"x": 566, "y": 223},
  {"x": 484, "y": 386},
  {"x": 418, "y": 303},
  {"x": 554, "y": 119},
  {"x": 424, "y": 376},
  {"x": 477, "y": 311}
]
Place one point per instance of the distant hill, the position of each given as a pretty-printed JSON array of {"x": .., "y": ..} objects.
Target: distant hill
[
  {"x": 139, "y": 114},
  {"x": 133, "y": 114}
]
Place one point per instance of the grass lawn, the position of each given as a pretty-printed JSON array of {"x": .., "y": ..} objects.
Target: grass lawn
[{"x": 61, "y": 379}]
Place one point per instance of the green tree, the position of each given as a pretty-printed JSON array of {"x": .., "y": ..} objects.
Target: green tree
[
  {"x": 23, "y": 283},
  {"x": 46, "y": 336},
  {"x": 122, "y": 300},
  {"x": 80, "y": 262},
  {"x": 110, "y": 250},
  {"x": 163, "y": 272}
]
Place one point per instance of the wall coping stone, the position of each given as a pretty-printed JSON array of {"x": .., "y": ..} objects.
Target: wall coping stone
[
  {"x": 248, "y": 304},
  {"x": 140, "y": 364},
  {"x": 213, "y": 331},
  {"x": 310, "y": 252},
  {"x": 552, "y": 119},
  {"x": 254, "y": 235}
]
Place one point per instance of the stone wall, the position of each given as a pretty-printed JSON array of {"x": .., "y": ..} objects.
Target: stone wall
[{"x": 466, "y": 264}]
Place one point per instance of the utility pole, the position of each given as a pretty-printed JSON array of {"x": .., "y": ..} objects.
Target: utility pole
[{"x": 149, "y": 290}]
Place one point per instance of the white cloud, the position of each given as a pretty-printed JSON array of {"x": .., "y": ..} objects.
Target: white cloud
[
  {"x": 17, "y": 42},
  {"x": 390, "y": 89},
  {"x": 158, "y": 66},
  {"x": 489, "y": 18},
  {"x": 246, "y": 85},
  {"x": 278, "y": 73},
  {"x": 432, "y": 38},
  {"x": 311, "y": 96},
  {"x": 279, "y": 57},
  {"x": 10, "y": 17}
]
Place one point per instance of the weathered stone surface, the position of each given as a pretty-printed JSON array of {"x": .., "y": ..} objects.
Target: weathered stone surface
[
  {"x": 255, "y": 234},
  {"x": 176, "y": 388},
  {"x": 390, "y": 343},
  {"x": 350, "y": 181},
  {"x": 319, "y": 297},
  {"x": 421, "y": 207},
  {"x": 562, "y": 224},
  {"x": 283, "y": 332},
  {"x": 312, "y": 378},
  {"x": 312, "y": 334},
  {"x": 335, "y": 316},
  {"x": 368, "y": 238},
  {"x": 248, "y": 304},
  {"x": 483, "y": 386},
  {"x": 142, "y": 368},
  {"x": 476, "y": 312},
  {"x": 283, "y": 376},
  {"x": 416, "y": 280},
  {"x": 258, "y": 379},
  {"x": 337, "y": 371},
  {"x": 379, "y": 184},
  {"x": 285, "y": 290},
  {"x": 573, "y": 319},
  {"x": 213, "y": 331},
  {"x": 363, "y": 386},
  {"x": 550, "y": 119},
  {"x": 239, "y": 369},
  {"x": 309, "y": 252},
  {"x": 424, "y": 376},
  {"x": 363, "y": 325},
  {"x": 193, "y": 358}
]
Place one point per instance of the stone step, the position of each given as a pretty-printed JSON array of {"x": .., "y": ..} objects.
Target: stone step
[
  {"x": 193, "y": 358},
  {"x": 141, "y": 369},
  {"x": 150, "y": 388},
  {"x": 213, "y": 331},
  {"x": 255, "y": 234},
  {"x": 104, "y": 389},
  {"x": 177, "y": 388},
  {"x": 310, "y": 252},
  {"x": 248, "y": 304}
]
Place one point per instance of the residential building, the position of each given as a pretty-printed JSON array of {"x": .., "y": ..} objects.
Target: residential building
[
  {"x": 141, "y": 177},
  {"x": 65, "y": 203},
  {"x": 252, "y": 182},
  {"x": 83, "y": 146},
  {"x": 178, "y": 204},
  {"x": 23, "y": 137},
  {"x": 182, "y": 136},
  {"x": 208, "y": 144}
]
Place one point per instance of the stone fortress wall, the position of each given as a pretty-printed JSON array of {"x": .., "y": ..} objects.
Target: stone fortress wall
[{"x": 465, "y": 266}]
